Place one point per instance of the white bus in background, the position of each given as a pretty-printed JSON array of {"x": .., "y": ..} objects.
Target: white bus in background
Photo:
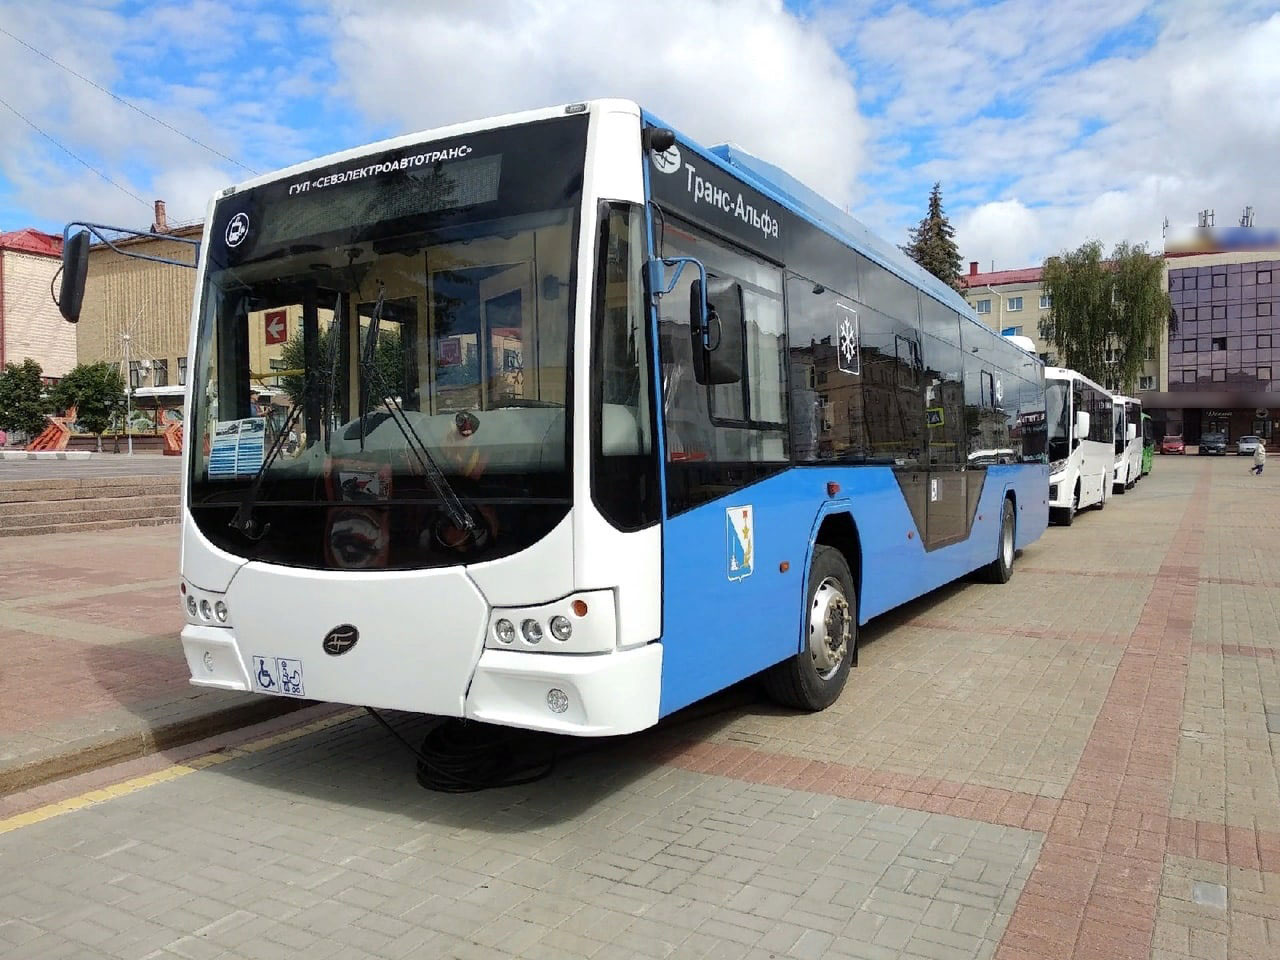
[
  {"x": 1081, "y": 434},
  {"x": 1128, "y": 443}
]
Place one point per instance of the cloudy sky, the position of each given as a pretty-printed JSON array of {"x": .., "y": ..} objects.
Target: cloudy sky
[{"x": 1047, "y": 123}]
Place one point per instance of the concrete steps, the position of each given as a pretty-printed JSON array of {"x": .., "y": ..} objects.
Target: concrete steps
[{"x": 71, "y": 504}]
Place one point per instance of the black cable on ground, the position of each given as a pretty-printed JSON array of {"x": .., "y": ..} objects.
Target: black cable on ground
[
  {"x": 466, "y": 756},
  {"x": 461, "y": 756}
]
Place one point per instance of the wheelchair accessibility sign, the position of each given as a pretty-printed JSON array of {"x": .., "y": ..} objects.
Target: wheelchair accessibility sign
[{"x": 278, "y": 675}]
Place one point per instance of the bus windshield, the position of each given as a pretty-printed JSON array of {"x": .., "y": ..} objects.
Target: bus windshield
[
  {"x": 382, "y": 366},
  {"x": 1058, "y": 407}
]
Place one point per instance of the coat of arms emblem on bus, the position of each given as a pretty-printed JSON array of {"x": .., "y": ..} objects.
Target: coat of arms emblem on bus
[
  {"x": 847, "y": 340},
  {"x": 741, "y": 539}
]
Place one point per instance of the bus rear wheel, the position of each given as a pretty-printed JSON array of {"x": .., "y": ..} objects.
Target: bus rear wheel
[
  {"x": 1000, "y": 569},
  {"x": 813, "y": 678}
]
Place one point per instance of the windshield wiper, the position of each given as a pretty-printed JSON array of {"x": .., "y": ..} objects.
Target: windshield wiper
[{"x": 371, "y": 376}]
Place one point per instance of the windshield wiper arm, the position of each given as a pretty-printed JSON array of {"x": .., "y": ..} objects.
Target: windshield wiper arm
[
  {"x": 243, "y": 520},
  {"x": 372, "y": 379}
]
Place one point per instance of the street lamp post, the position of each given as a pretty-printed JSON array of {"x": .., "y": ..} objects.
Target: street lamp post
[{"x": 128, "y": 393}]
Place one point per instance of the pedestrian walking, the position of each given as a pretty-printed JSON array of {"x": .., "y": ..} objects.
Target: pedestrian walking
[{"x": 1259, "y": 457}]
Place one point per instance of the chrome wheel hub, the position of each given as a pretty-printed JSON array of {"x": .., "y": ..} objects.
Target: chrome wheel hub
[
  {"x": 1006, "y": 541},
  {"x": 830, "y": 627}
]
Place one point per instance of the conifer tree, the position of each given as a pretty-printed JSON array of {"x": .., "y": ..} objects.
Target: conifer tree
[{"x": 933, "y": 244}]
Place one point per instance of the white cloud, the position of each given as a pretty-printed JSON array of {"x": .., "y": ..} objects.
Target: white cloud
[
  {"x": 748, "y": 72},
  {"x": 1042, "y": 145}
]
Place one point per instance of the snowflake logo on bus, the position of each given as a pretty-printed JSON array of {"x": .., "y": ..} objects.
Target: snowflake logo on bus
[
  {"x": 847, "y": 340},
  {"x": 237, "y": 230}
]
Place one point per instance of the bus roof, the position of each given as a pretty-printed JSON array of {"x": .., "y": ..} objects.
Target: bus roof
[
  {"x": 1062, "y": 373},
  {"x": 806, "y": 202}
]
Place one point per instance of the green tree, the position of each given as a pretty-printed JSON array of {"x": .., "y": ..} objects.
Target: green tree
[
  {"x": 1106, "y": 313},
  {"x": 389, "y": 358},
  {"x": 96, "y": 390},
  {"x": 23, "y": 401},
  {"x": 933, "y": 244}
]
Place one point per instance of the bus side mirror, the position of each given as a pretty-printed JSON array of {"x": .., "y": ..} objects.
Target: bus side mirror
[
  {"x": 715, "y": 327},
  {"x": 1082, "y": 424},
  {"x": 75, "y": 267},
  {"x": 1131, "y": 432}
]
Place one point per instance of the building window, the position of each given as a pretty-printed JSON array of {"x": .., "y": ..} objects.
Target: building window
[
  {"x": 1175, "y": 283},
  {"x": 1189, "y": 346},
  {"x": 1048, "y": 331},
  {"x": 1188, "y": 376},
  {"x": 1264, "y": 309},
  {"x": 983, "y": 306},
  {"x": 1220, "y": 375},
  {"x": 1011, "y": 332},
  {"x": 1146, "y": 383},
  {"x": 1219, "y": 279},
  {"x": 1015, "y": 304},
  {"x": 1046, "y": 301},
  {"x": 135, "y": 374},
  {"x": 160, "y": 373},
  {"x": 1264, "y": 341},
  {"x": 1113, "y": 356},
  {"x": 1264, "y": 276},
  {"x": 1219, "y": 343},
  {"x": 182, "y": 371},
  {"x": 1220, "y": 313},
  {"x": 1189, "y": 314},
  {"x": 1264, "y": 373},
  {"x": 1189, "y": 282},
  {"x": 1151, "y": 352}
]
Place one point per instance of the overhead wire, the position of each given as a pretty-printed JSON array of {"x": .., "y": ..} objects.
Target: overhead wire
[
  {"x": 122, "y": 100},
  {"x": 74, "y": 156}
]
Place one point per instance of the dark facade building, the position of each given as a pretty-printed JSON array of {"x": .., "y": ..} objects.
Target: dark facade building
[{"x": 1224, "y": 353}]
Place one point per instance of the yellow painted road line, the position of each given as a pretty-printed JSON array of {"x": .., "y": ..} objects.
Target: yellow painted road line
[{"x": 126, "y": 787}]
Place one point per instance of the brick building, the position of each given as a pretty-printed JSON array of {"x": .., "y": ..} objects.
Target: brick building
[
  {"x": 149, "y": 304},
  {"x": 30, "y": 325}
]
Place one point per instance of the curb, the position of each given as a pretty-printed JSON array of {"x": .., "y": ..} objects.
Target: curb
[
  {"x": 83, "y": 756},
  {"x": 46, "y": 454}
]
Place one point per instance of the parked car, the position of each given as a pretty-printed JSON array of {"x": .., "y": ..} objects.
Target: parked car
[
  {"x": 1213, "y": 444},
  {"x": 1172, "y": 444},
  {"x": 1246, "y": 445}
]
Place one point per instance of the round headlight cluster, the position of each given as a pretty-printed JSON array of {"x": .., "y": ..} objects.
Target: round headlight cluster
[
  {"x": 205, "y": 609},
  {"x": 533, "y": 631}
]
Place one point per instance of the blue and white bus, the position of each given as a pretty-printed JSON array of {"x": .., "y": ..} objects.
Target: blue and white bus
[{"x": 562, "y": 421}]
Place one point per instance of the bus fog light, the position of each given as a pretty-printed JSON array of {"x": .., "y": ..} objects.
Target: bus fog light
[
  {"x": 191, "y": 605},
  {"x": 561, "y": 628},
  {"x": 532, "y": 631},
  {"x": 220, "y": 611},
  {"x": 557, "y": 700},
  {"x": 206, "y": 610},
  {"x": 505, "y": 631},
  {"x": 208, "y": 661}
]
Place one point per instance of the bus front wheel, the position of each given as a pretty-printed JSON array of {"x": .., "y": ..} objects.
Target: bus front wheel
[
  {"x": 1000, "y": 569},
  {"x": 813, "y": 678}
]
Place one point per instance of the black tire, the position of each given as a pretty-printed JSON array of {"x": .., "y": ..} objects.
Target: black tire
[
  {"x": 1069, "y": 515},
  {"x": 1000, "y": 569},
  {"x": 799, "y": 681}
]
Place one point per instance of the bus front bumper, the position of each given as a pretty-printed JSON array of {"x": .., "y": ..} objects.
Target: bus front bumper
[{"x": 593, "y": 695}]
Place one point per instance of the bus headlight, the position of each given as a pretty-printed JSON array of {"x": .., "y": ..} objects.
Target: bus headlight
[
  {"x": 561, "y": 628},
  {"x": 505, "y": 631},
  {"x": 206, "y": 610},
  {"x": 532, "y": 631},
  {"x": 191, "y": 605},
  {"x": 220, "y": 611}
]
